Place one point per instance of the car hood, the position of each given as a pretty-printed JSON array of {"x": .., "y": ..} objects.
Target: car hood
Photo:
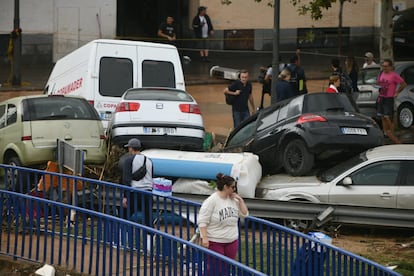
[{"x": 278, "y": 181}]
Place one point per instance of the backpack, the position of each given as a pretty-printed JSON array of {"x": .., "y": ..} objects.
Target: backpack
[
  {"x": 294, "y": 81},
  {"x": 230, "y": 99},
  {"x": 141, "y": 172},
  {"x": 346, "y": 83}
]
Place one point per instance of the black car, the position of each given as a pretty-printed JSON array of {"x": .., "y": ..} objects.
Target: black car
[
  {"x": 295, "y": 133},
  {"x": 403, "y": 35}
]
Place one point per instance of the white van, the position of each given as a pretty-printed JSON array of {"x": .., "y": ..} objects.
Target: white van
[{"x": 102, "y": 70}]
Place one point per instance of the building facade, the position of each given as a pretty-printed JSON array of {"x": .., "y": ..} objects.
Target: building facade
[{"x": 53, "y": 28}]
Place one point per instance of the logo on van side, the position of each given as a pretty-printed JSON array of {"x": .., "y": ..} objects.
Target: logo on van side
[{"x": 70, "y": 87}]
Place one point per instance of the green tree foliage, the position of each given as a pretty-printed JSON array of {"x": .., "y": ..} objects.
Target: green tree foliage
[{"x": 316, "y": 7}]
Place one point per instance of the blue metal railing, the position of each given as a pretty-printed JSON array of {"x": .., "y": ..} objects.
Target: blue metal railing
[{"x": 93, "y": 238}]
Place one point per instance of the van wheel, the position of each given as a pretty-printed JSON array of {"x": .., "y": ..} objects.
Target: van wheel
[
  {"x": 405, "y": 115},
  {"x": 297, "y": 160}
]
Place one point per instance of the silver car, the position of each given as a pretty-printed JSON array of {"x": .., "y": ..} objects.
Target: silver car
[
  {"x": 379, "y": 177},
  {"x": 368, "y": 93}
]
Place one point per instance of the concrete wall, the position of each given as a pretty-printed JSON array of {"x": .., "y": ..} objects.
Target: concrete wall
[{"x": 53, "y": 28}]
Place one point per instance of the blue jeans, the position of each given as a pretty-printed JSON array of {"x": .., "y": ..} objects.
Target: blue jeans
[{"x": 240, "y": 116}]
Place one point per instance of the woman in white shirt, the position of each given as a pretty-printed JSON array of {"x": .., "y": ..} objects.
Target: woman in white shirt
[{"x": 218, "y": 221}]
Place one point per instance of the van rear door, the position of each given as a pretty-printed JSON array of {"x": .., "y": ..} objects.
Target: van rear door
[
  {"x": 114, "y": 72},
  {"x": 161, "y": 67}
]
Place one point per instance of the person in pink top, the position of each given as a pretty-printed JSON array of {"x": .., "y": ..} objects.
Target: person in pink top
[
  {"x": 334, "y": 83},
  {"x": 391, "y": 85}
]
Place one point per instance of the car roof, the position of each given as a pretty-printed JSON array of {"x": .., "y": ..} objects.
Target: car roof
[
  {"x": 403, "y": 63},
  {"x": 391, "y": 151},
  {"x": 20, "y": 98},
  {"x": 154, "y": 88}
]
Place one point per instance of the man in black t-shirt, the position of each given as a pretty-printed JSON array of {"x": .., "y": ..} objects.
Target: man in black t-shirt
[
  {"x": 166, "y": 30},
  {"x": 242, "y": 89}
]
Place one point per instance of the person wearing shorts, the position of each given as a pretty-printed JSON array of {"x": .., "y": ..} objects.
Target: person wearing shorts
[
  {"x": 391, "y": 85},
  {"x": 203, "y": 29}
]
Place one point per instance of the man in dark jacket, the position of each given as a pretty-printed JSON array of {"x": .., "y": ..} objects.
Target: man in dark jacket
[
  {"x": 297, "y": 78},
  {"x": 137, "y": 201},
  {"x": 203, "y": 29}
]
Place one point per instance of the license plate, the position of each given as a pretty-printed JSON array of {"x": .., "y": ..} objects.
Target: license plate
[
  {"x": 159, "y": 130},
  {"x": 352, "y": 130},
  {"x": 399, "y": 39},
  {"x": 365, "y": 95},
  {"x": 106, "y": 116}
]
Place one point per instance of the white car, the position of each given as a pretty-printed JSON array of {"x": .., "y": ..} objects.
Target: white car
[
  {"x": 368, "y": 93},
  {"x": 160, "y": 117},
  {"x": 379, "y": 177}
]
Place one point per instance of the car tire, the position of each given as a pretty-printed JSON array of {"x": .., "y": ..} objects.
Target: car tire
[
  {"x": 16, "y": 179},
  {"x": 297, "y": 160},
  {"x": 299, "y": 225},
  {"x": 405, "y": 115}
]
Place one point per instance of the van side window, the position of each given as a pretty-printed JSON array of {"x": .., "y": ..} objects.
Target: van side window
[
  {"x": 2, "y": 116},
  {"x": 158, "y": 74},
  {"x": 11, "y": 114},
  {"x": 115, "y": 76}
]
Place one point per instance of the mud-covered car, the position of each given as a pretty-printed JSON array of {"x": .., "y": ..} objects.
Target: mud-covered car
[{"x": 296, "y": 133}]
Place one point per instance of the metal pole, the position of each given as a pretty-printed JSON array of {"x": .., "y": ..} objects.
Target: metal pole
[
  {"x": 275, "y": 61},
  {"x": 16, "y": 45}
]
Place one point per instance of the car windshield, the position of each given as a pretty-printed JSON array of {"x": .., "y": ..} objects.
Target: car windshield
[
  {"x": 158, "y": 95},
  {"x": 333, "y": 172},
  {"x": 58, "y": 108},
  {"x": 368, "y": 76},
  {"x": 318, "y": 102}
]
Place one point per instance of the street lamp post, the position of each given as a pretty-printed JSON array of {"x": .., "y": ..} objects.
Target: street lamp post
[
  {"x": 275, "y": 61},
  {"x": 17, "y": 42}
]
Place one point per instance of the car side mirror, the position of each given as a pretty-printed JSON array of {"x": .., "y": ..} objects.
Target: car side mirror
[{"x": 347, "y": 181}]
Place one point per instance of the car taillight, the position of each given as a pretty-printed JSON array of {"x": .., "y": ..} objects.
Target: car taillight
[
  {"x": 26, "y": 138},
  {"x": 190, "y": 108},
  {"x": 308, "y": 118},
  {"x": 92, "y": 103},
  {"x": 127, "y": 106}
]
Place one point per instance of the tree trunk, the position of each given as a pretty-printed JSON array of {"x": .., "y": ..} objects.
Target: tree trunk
[{"x": 387, "y": 12}]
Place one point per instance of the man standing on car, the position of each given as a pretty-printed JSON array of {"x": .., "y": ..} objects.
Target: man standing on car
[
  {"x": 391, "y": 85},
  {"x": 137, "y": 201},
  {"x": 242, "y": 89}
]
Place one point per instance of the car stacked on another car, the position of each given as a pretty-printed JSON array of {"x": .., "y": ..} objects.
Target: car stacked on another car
[
  {"x": 160, "y": 117},
  {"x": 369, "y": 90},
  {"x": 379, "y": 177},
  {"x": 294, "y": 133},
  {"x": 31, "y": 125}
]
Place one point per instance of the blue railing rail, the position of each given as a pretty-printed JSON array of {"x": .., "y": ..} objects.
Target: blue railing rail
[
  {"x": 92, "y": 243},
  {"x": 265, "y": 246}
]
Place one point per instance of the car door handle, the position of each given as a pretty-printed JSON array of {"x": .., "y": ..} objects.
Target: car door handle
[{"x": 386, "y": 195}]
